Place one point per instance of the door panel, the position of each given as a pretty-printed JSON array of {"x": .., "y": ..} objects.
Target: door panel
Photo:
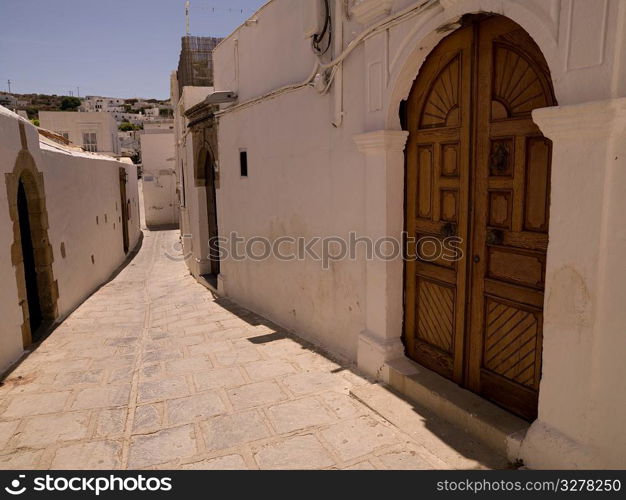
[
  {"x": 438, "y": 153},
  {"x": 479, "y": 168},
  {"x": 510, "y": 224}
]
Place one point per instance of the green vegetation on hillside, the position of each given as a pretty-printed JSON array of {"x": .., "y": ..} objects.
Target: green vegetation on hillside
[
  {"x": 127, "y": 127},
  {"x": 70, "y": 103}
]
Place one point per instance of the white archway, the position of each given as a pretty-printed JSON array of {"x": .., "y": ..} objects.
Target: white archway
[
  {"x": 587, "y": 177},
  {"x": 429, "y": 30},
  {"x": 380, "y": 344}
]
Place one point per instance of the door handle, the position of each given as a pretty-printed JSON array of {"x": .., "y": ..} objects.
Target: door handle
[
  {"x": 495, "y": 237},
  {"x": 448, "y": 230},
  {"x": 499, "y": 158}
]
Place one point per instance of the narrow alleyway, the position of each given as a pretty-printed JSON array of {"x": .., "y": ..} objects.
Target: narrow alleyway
[{"x": 153, "y": 372}]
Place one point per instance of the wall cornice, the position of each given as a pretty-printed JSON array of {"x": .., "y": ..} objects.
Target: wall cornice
[
  {"x": 595, "y": 118},
  {"x": 381, "y": 141}
]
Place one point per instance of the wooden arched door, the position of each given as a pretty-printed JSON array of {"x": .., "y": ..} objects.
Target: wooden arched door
[
  {"x": 478, "y": 181},
  {"x": 33, "y": 291},
  {"x": 211, "y": 200}
]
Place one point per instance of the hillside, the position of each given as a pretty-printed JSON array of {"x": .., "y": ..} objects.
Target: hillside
[{"x": 33, "y": 103}]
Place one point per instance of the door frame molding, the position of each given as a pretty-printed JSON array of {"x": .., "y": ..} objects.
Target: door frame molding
[
  {"x": 561, "y": 436},
  {"x": 25, "y": 170},
  {"x": 381, "y": 340}
]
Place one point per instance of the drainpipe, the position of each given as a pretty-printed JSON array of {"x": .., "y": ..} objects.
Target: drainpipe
[{"x": 338, "y": 49}]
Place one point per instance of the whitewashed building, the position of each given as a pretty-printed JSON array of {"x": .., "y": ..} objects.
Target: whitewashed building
[
  {"x": 69, "y": 219},
  {"x": 139, "y": 104},
  {"x": 196, "y": 172},
  {"x": 134, "y": 118},
  {"x": 130, "y": 144},
  {"x": 499, "y": 123},
  {"x": 8, "y": 101},
  {"x": 94, "y": 131},
  {"x": 103, "y": 104}
]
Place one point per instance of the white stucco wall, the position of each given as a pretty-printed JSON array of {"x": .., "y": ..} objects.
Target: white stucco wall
[
  {"x": 254, "y": 63},
  {"x": 159, "y": 178},
  {"x": 307, "y": 178},
  {"x": 10, "y": 327},
  {"x": 582, "y": 406},
  {"x": 79, "y": 187},
  {"x": 304, "y": 180}
]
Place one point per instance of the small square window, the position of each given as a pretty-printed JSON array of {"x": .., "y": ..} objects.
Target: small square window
[{"x": 243, "y": 163}]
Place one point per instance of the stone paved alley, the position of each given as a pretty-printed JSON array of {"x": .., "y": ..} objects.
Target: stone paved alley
[{"x": 153, "y": 371}]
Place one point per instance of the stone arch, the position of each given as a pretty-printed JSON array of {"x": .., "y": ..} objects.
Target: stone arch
[
  {"x": 26, "y": 174},
  {"x": 435, "y": 25}
]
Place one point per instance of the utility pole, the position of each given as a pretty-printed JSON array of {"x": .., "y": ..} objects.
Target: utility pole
[
  {"x": 70, "y": 93},
  {"x": 9, "y": 82},
  {"x": 187, "y": 17},
  {"x": 78, "y": 91}
]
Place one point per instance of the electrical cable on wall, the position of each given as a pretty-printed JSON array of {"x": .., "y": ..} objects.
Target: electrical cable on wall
[
  {"x": 382, "y": 25},
  {"x": 317, "y": 39}
]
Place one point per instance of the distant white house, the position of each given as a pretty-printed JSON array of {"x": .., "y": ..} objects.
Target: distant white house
[
  {"x": 106, "y": 104},
  {"x": 140, "y": 104},
  {"x": 129, "y": 142},
  {"x": 8, "y": 100},
  {"x": 94, "y": 131},
  {"x": 134, "y": 118},
  {"x": 158, "y": 127},
  {"x": 152, "y": 113}
]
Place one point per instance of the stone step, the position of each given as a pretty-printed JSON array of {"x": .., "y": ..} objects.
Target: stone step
[
  {"x": 497, "y": 428},
  {"x": 452, "y": 445}
]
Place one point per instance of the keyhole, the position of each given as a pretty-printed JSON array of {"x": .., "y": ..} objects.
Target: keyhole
[{"x": 476, "y": 259}]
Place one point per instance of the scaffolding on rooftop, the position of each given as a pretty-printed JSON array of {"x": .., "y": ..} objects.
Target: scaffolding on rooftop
[{"x": 195, "y": 66}]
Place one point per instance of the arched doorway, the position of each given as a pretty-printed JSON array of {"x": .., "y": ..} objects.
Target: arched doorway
[
  {"x": 125, "y": 207},
  {"x": 35, "y": 312},
  {"x": 31, "y": 252},
  {"x": 478, "y": 175},
  {"x": 206, "y": 176},
  {"x": 211, "y": 200}
]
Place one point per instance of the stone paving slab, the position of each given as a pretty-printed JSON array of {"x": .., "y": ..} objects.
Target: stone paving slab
[{"x": 154, "y": 372}]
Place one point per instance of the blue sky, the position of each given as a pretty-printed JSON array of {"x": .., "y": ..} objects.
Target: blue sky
[{"x": 121, "y": 48}]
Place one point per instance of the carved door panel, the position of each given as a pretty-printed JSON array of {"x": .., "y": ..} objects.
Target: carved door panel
[
  {"x": 438, "y": 167},
  {"x": 478, "y": 168},
  {"x": 510, "y": 226}
]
